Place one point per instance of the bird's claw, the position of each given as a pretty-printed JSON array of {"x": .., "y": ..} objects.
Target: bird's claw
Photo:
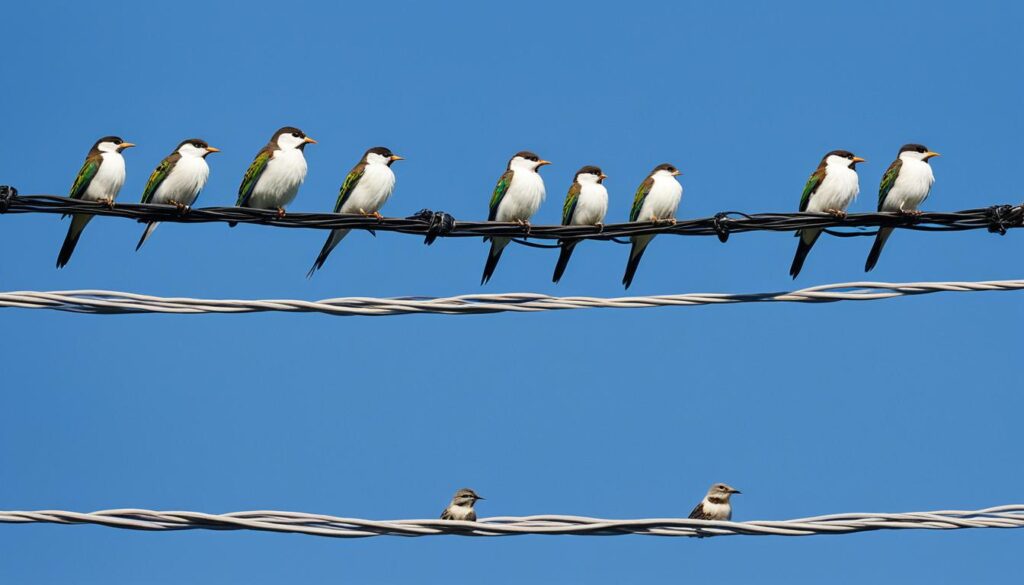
[
  {"x": 836, "y": 213},
  {"x": 182, "y": 208},
  {"x": 911, "y": 212},
  {"x": 280, "y": 212},
  {"x": 525, "y": 225},
  {"x": 108, "y": 202},
  {"x": 600, "y": 227},
  {"x": 664, "y": 221}
]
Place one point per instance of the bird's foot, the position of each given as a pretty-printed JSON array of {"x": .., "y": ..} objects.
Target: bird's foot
[
  {"x": 182, "y": 208},
  {"x": 600, "y": 227},
  {"x": 836, "y": 213},
  {"x": 376, "y": 214},
  {"x": 524, "y": 224},
  {"x": 911, "y": 212},
  {"x": 109, "y": 202},
  {"x": 666, "y": 220},
  {"x": 280, "y": 212}
]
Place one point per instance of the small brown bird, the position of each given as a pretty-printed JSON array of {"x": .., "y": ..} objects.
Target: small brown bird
[
  {"x": 715, "y": 505},
  {"x": 461, "y": 506}
]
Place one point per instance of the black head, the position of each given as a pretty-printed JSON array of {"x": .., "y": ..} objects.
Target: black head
[
  {"x": 589, "y": 170},
  {"x": 111, "y": 144},
  {"x": 383, "y": 152},
  {"x": 666, "y": 167},
  {"x": 854, "y": 159},
  {"x": 527, "y": 155},
  {"x": 913, "y": 148},
  {"x": 290, "y": 137}
]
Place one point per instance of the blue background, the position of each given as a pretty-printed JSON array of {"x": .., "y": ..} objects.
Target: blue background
[{"x": 910, "y": 404}]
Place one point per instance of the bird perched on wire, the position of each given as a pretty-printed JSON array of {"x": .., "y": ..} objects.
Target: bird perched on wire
[
  {"x": 365, "y": 190},
  {"x": 831, "y": 189},
  {"x": 100, "y": 179},
  {"x": 905, "y": 185},
  {"x": 178, "y": 179},
  {"x": 657, "y": 200},
  {"x": 517, "y": 196},
  {"x": 277, "y": 172},
  {"x": 585, "y": 204},
  {"x": 461, "y": 506},
  {"x": 715, "y": 505}
]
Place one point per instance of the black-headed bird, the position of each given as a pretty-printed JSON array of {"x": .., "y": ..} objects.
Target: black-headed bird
[
  {"x": 100, "y": 179},
  {"x": 831, "y": 189},
  {"x": 178, "y": 179},
  {"x": 461, "y": 506},
  {"x": 585, "y": 204},
  {"x": 656, "y": 200},
  {"x": 715, "y": 505},
  {"x": 517, "y": 196},
  {"x": 366, "y": 188},
  {"x": 905, "y": 186},
  {"x": 277, "y": 172}
]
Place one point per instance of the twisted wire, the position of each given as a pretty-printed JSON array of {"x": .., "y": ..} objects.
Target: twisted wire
[{"x": 1008, "y": 516}]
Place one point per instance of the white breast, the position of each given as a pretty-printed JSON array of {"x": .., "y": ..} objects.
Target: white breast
[
  {"x": 280, "y": 181},
  {"x": 592, "y": 205},
  {"x": 109, "y": 178},
  {"x": 184, "y": 182},
  {"x": 460, "y": 512},
  {"x": 372, "y": 191},
  {"x": 837, "y": 191},
  {"x": 718, "y": 511},
  {"x": 663, "y": 200},
  {"x": 523, "y": 198},
  {"x": 911, "y": 187}
]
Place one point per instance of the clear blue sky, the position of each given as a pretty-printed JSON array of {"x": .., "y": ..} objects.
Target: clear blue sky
[{"x": 901, "y": 405}]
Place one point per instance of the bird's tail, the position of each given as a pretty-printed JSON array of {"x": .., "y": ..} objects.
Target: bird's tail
[
  {"x": 497, "y": 247},
  {"x": 803, "y": 248},
  {"x": 78, "y": 223},
  {"x": 876, "y": 249},
  {"x": 332, "y": 240},
  {"x": 635, "y": 254},
  {"x": 563, "y": 260},
  {"x": 145, "y": 235}
]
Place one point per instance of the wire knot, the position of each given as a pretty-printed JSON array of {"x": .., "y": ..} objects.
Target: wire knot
[
  {"x": 439, "y": 223},
  {"x": 6, "y": 194},
  {"x": 1002, "y": 217},
  {"x": 721, "y": 227}
]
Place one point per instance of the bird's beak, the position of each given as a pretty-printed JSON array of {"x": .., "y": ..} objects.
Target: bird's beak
[
  {"x": 125, "y": 145},
  {"x": 858, "y": 159},
  {"x": 603, "y": 176},
  {"x": 930, "y": 154},
  {"x": 542, "y": 163},
  {"x": 734, "y": 491},
  {"x": 676, "y": 173},
  {"x": 212, "y": 149},
  {"x": 309, "y": 140},
  {"x": 481, "y": 498},
  {"x": 395, "y": 157}
]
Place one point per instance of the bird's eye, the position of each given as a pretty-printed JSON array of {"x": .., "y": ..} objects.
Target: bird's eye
[{"x": 295, "y": 134}]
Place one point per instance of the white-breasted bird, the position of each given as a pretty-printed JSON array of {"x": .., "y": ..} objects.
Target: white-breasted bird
[
  {"x": 277, "y": 172},
  {"x": 366, "y": 188},
  {"x": 715, "y": 505},
  {"x": 100, "y": 179},
  {"x": 178, "y": 179},
  {"x": 585, "y": 204},
  {"x": 831, "y": 189},
  {"x": 461, "y": 506},
  {"x": 656, "y": 200},
  {"x": 517, "y": 196},
  {"x": 905, "y": 185}
]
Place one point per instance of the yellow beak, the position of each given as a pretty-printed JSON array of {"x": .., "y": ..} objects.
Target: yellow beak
[
  {"x": 212, "y": 149},
  {"x": 858, "y": 159},
  {"x": 125, "y": 145},
  {"x": 396, "y": 157},
  {"x": 930, "y": 154},
  {"x": 603, "y": 176},
  {"x": 542, "y": 163},
  {"x": 676, "y": 173},
  {"x": 309, "y": 140}
]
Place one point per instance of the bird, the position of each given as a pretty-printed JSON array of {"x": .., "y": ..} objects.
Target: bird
[
  {"x": 274, "y": 177},
  {"x": 585, "y": 204},
  {"x": 715, "y": 505},
  {"x": 656, "y": 200},
  {"x": 366, "y": 188},
  {"x": 100, "y": 179},
  {"x": 905, "y": 185},
  {"x": 831, "y": 189},
  {"x": 517, "y": 196},
  {"x": 178, "y": 179},
  {"x": 461, "y": 506}
]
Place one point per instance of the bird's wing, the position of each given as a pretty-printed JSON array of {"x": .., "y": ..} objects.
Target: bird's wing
[
  {"x": 698, "y": 512},
  {"x": 446, "y": 515},
  {"x": 570, "y": 203},
  {"x": 85, "y": 175},
  {"x": 812, "y": 185},
  {"x": 641, "y": 195},
  {"x": 252, "y": 176},
  {"x": 499, "y": 193},
  {"x": 159, "y": 174},
  {"x": 349, "y": 185},
  {"x": 888, "y": 180}
]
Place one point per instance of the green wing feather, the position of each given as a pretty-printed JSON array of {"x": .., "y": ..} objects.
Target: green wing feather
[
  {"x": 499, "y": 193},
  {"x": 251, "y": 177},
  {"x": 85, "y": 175},
  {"x": 641, "y": 195},
  {"x": 812, "y": 185},
  {"x": 351, "y": 180},
  {"x": 888, "y": 180},
  {"x": 570, "y": 203},
  {"x": 158, "y": 176}
]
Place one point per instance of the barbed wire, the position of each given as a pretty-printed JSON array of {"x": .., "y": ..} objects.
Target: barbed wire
[
  {"x": 114, "y": 302},
  {"x": 433, "y": 224},
  {"x": 1009, "y": 516}
]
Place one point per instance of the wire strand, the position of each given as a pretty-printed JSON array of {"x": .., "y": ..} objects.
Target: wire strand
[
  {"x": 1008, "y": 516},
  {"x": 114, "y": 303}
]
